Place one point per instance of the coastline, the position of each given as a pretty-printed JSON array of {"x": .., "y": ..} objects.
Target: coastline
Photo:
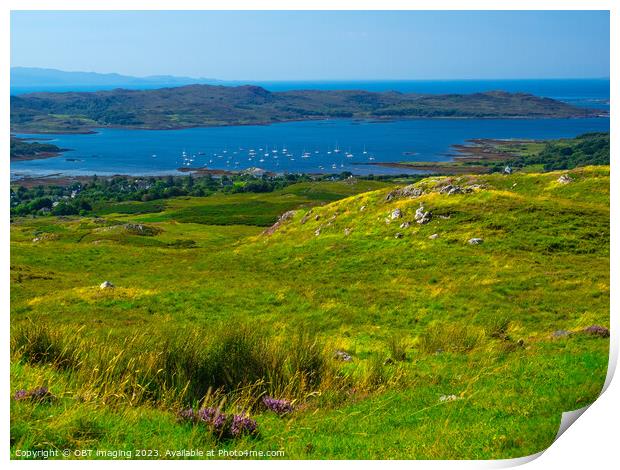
[
  {"x": 369, "y": 119},
  {"x": 469, "y": 157},
  {"x": 52, "y": 152},
  {"x": 38, "y": 156}
]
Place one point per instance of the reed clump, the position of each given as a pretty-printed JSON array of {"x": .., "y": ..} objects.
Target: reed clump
[{"x": 174, "y": 367}]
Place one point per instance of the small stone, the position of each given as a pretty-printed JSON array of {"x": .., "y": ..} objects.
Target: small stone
[
  {"x": 398, "y": 235},
  {"x": 362, "y": 208},
  {"x": 560, "y": 334},
  {"x": 342, "y": 356},
  {"x": 305, "y": 218},
  {"x": 396, "y": 214},
  {"x": 106, "y": 285},
  {"x": 448, "y": 398},
  {"x": 451, "y": 189},
  {"x": 475, "y": 241},
  {"x": 434, "y": 236},
  {"x": 317, "y": 217},
  {"x": 507, "y": 170},
  {"x": 317, "y": 232},
  {"x": 421, "y": 216},
  {"x": 564, "y": 179},
  {"x": 405, "y": 224},
  {"x": 347, "y": 232},
  {"x": 597, "y": 330}
]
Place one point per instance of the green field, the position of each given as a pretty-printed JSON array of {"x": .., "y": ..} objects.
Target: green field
[{"x": 453, "y": 348}]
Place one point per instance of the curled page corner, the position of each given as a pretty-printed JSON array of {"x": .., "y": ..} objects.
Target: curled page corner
[
  {"x": 517, "y": 461},
  {"x": 568, "y": 418}
]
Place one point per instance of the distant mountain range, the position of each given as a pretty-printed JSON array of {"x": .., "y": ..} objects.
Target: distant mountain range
[{"x": 26, "y": 79}]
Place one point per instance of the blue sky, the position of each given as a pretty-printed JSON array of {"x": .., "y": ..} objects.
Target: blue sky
[{"x": 317, "y": 45}]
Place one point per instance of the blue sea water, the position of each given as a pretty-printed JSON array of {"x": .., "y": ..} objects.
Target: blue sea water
[{"x": 146, "y": 152}]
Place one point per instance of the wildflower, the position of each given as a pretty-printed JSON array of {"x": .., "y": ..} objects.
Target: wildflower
[
  {"x": 213, "y": 418},
  {"x": 37, "y": 394},
  {"x": 220, "y": 423},
  {"x": 187, "y": 415},
  {"x": 40, "y": 393},
  {"x": 21, "y": 394},
  {"x": 279, "y": 406},
  {"x": 242, "y": 425}
]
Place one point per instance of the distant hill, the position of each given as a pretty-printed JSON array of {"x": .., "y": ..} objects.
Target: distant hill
[
  {"x": 209, "y": 105},
  {"x": 33, "y": 78}
]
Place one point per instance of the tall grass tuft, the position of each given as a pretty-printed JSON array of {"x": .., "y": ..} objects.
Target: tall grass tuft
[
  {"x": 170, "y": 367},
  {"x": 38, "y": 344},
  {"x": 450, "y": 337},
  {"x": 498, "y": 327},
  {"x": 397, "y": 346}
]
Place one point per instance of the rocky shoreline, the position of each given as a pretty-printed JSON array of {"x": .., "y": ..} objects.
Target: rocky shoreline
[{"x": 467, "y": 158}]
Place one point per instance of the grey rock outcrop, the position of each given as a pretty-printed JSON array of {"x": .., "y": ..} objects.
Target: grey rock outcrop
[
  {"x": 283, "y": 218},
  {"x": 408, "y": 191},
  {"x": 422, "y": 217},
  {"x": 396, "y": 214}
]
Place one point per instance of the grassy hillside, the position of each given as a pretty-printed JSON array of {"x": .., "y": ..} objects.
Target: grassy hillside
[
  {"x": 208, "y": 105},
  {"x": 457, "y": 350}
]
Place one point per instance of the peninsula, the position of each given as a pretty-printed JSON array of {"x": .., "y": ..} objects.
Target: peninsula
[{"x": 209, "y": 105}]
